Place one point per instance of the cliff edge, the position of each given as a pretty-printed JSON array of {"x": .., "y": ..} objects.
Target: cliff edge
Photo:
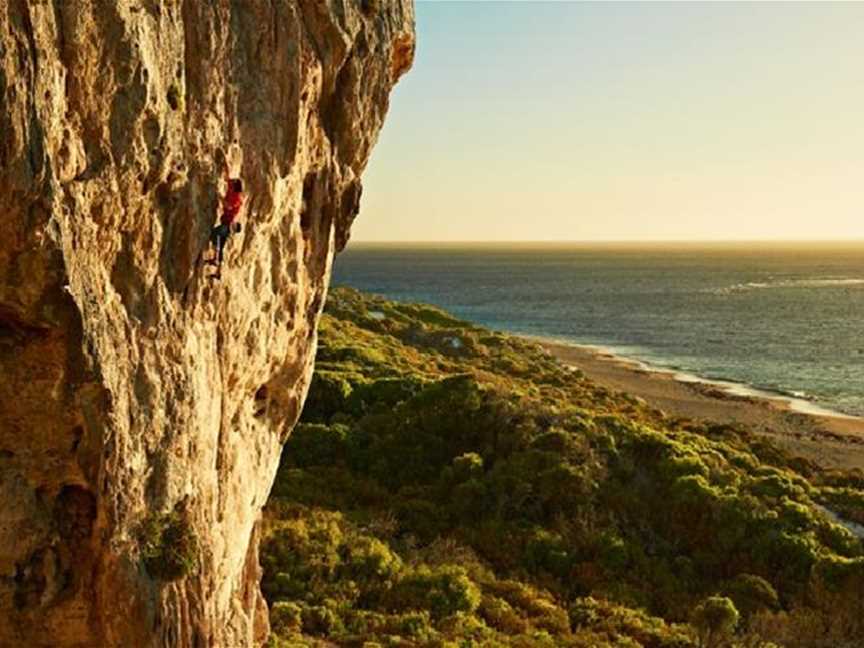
[{"x": 143, "y": 406}]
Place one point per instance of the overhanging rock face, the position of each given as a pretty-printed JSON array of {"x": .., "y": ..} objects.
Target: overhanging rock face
[{"x": 143, "y": 406}]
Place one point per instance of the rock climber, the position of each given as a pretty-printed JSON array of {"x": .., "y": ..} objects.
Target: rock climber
[{"x": 231, "y": 205}]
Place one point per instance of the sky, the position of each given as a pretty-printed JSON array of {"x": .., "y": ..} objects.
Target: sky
[{"x": 566, "y": 121}]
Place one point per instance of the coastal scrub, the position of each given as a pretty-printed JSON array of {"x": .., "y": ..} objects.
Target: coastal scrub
[{"x": 491, "y": 496}]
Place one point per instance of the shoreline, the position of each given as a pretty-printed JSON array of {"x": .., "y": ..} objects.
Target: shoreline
[
  {"x": 830, "y": 439},
  {"x": 796, "y": 403}
]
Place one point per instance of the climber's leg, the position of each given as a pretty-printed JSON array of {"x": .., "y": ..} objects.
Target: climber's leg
[
  {"x": 220, "y": 249},
  {"x": 214, "y": 243},
  {"x": 218, "y": 237}
]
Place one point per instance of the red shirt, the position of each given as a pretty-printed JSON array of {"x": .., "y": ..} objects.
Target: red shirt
[{"x": 231, "y": 205}]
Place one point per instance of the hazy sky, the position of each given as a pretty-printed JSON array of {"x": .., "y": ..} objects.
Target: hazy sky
[{"x": 585, "y": 121}]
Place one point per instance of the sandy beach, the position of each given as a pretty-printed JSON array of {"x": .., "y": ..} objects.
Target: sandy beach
[{"x": 831, "y": 441}]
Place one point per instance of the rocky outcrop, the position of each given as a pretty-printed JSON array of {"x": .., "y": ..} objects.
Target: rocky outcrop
[{"x": 143, "y": 406}]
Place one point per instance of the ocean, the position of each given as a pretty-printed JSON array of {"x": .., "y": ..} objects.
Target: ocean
[{"x": 786, "y": 319}]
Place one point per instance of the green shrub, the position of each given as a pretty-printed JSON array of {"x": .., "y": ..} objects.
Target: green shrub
[
  {"x": 680, "y": 465},
  {"x": 837, "y": 573},
  {"x": 562, "y": 487},
  {"x": 795, "y": 515},
  {"x": 368, "y": 559},
  {"x": 548, "y": 552},
  {"x": 625, "y": 626},
  {"x": 328, "y": 395},
  {"x": 314, "y": 444},
  {"x": 169, "y": 546},
  {"x": 551, "y": 618},
  {"x": 421, "y": 517},
  {"x": 416, "y": 625},
  {"x": 442, "y": 591},
  {"x": 777, "y": 485},
  {"x": 383, "y": 392},
  {"x": 300, "y": 551},
  {"x": 286, "y": 617},
  {"x": 752, "y": 594},
  {"x": 584, "y": 613},
  {"x": 467, "y": 466},
  {"x": 358, "y": 355},
  {"x": 614, "y": 553},
  {"x": 469, "y": 500},
  {"x": 320, "y": 620},
  {"x": 557, "y": 441},
  {"x": 499, "y": 614},
  {"x": 715, "y": 619}
]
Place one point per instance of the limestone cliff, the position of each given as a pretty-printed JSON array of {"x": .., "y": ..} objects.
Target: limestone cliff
[{"x": 143, "y": 406}]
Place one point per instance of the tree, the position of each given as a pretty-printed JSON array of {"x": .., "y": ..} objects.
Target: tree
[{"x": 715, "y": 619}]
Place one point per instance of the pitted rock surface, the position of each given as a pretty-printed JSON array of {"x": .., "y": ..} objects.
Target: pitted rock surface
[{"x": 131, "y": 385}]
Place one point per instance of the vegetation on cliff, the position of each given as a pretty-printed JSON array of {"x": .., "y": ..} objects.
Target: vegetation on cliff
[{"x": 453, "y": 486}]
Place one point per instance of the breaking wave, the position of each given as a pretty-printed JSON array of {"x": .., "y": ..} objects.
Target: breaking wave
[{"x": 788, "y": 283}]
